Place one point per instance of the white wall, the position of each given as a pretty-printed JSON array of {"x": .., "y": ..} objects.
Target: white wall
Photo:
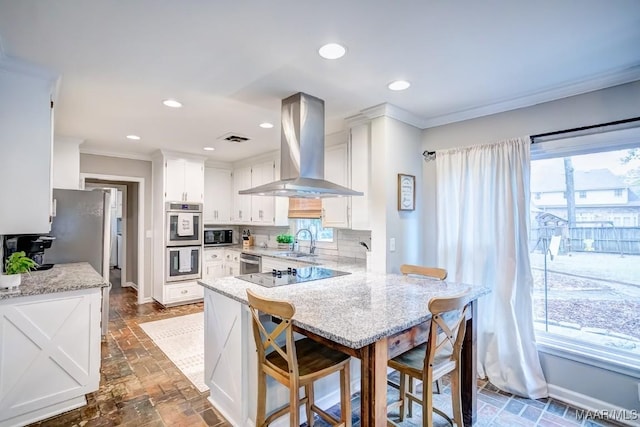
[
  {"x": 616, "y": 103},
  {"x": 113, "y": 166},
  {"x": 66, "y": 163}
]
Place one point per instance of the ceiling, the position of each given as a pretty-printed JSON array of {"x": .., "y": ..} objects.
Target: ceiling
[{"x": 231, "y": 62}]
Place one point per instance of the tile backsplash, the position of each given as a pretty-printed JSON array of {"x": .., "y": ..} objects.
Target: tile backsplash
[{"x": 347, "y": 244}]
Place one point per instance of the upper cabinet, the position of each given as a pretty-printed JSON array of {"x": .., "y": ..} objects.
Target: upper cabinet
[
  {"x": 335, "y": 210},
  {"x": 258, "y": 210},
  {"x": 217, "y": 196},
  {"x": 26, "y": 143},
  {"x": 241, "y": 212},
  {"x": 184, "y": 180},
  {"x": 360, "y": 141}
]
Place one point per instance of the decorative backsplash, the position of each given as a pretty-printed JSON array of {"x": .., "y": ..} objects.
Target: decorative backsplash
[{"x": 347, "y": 244}]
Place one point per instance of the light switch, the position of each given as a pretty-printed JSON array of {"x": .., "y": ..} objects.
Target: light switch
[{"x": 392, "y": 244}]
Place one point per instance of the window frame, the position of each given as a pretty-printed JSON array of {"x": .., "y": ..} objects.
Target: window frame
[
  {"x": 592, "y": 139},
  {"x": 319, "y": 244}
]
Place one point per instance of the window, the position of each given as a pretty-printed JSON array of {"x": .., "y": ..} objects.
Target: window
[
  {"x": 537, "y": 196},
  {"x": 315, "y": 226},
  {"x": 617, "y": 192},
  {"x": 586, "y": 269},
  {"x": 583, "y": 194}
]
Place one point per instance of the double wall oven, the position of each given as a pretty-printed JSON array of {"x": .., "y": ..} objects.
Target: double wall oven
[{"x": 184, "y": 241}]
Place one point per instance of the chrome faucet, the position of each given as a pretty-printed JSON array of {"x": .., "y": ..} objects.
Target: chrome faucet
[{"x": 312, "y": 247}]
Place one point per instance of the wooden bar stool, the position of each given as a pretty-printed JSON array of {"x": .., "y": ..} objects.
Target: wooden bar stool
[
  {"x": 296, "y": 364},
  {"x": 435, "y": 272},
  {"x": 439, "y": 356}
]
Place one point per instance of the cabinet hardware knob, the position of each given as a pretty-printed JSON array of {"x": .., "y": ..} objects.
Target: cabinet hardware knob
[{"x": 184, "y": 291}]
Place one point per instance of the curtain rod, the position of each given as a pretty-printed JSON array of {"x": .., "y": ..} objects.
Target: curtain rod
[
  {"x": 429, "y": 155},
  {"x": 560, "y": 132}
]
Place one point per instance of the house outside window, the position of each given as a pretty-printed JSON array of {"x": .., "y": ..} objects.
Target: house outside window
[
  {"x": 586, "y": 268},
  {"x": 320, "y": 233}
]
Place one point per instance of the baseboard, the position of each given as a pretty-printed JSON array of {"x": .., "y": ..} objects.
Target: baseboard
[
  {"x": 130, "y": 285},
  {"x": 596, "y": 409}
]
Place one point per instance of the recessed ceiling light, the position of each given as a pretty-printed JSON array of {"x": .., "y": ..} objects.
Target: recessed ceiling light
[
  {"x": 266, "y": 125},
  {"x": 332, "y": 51},
  {"x": 172, "y": 103},
  {"x": 399, "y": 85},
  {"x": 133, "y": 137},
  {"x": 209, "y": 149}
]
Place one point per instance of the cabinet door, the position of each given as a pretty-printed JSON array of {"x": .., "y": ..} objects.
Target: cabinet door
[
  {"x": 262, "y": 207},
  {"x": 360, "y": 176},
  {"x": 217, "y": 196},
  {"x": 26, "y": 129},
  {"x": 174, "y": 180},
  {"x": 241, "y": 212},
  {"x": 335, "y": 210},
  {"x": 193, "y": 181}
]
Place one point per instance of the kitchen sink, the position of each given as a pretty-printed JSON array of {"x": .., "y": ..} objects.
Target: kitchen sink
[{"x": 296, "y": 254}]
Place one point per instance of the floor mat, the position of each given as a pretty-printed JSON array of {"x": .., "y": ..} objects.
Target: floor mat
[{"x": 182, "y": 340}]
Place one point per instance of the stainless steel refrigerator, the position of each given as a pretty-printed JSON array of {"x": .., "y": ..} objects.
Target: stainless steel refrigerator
[{"x": 81, "y": 226}]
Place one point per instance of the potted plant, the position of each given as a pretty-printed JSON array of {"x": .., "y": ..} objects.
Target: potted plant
[
  {"x": 16, "y": 264},
  {"x": 284, "y": 241}
]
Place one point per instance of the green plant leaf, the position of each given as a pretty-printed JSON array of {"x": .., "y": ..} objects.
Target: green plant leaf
[{"x": 19, "y": 262}]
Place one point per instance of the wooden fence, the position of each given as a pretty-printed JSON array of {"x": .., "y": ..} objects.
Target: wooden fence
[{"x": 620, "y": 240}]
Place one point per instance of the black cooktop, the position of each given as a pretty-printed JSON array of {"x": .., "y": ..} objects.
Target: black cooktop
[{"x": 290, "y": 276}]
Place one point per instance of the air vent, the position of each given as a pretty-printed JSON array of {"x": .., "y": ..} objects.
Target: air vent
[{"x": 234, "y": 137}]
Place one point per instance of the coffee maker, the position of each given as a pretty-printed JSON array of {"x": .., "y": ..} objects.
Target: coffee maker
[{"x": 33, "y": 246}]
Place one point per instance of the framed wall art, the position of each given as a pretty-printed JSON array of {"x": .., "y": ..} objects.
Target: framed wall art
[{"x": 406, "y": 192}]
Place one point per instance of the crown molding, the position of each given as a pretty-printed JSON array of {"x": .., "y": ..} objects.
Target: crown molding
[
  {"x": 217, "y": 164},
  {"x": 20, "y": 66},
  {"x": 598, "y": 82},
  {"x": 118, "y": 154},
  {"x": 392, "y": 111}
]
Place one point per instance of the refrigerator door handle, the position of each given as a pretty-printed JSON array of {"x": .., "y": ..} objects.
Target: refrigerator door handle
[{"x": 54, "y": 207}]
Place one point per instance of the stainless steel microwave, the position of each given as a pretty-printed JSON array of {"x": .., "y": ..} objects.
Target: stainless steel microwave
[{"x": 217, "y": 236}]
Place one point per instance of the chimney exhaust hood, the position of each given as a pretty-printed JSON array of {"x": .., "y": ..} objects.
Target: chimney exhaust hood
[{"x": 302, "y": 153}]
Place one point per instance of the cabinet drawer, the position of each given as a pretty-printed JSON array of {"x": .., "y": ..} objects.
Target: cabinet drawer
[
  {"x": 184, "y": 292},
  {"x": 213, "y": 255}
]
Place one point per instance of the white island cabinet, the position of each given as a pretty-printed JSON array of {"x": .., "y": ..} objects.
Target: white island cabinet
[
  {"x": 230, "y": 366},
  {"x": 49, "y": 343}
]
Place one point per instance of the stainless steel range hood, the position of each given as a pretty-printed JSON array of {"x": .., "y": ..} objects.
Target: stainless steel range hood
[{"x": 302, "y": 153}]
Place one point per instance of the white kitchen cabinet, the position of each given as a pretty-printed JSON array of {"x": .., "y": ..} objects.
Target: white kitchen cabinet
[
  {"x": 258, "y": 210},
  {"x": 360, "y": 160},
  {"x": 184, "y": 180},
  {"x": 213, "y": 263},
  {"x": 26, "y": 144},
  {"x": 241, "y": 212},
  {"x": 271, "y": 263},
  {"x": 262, "y": 207},
  {"x": 176, "y": 177},
  {"x": 50, "y": 356},
  {"x": 335, "y": 210},
  {"x": 232, "y": 262},
  {"x": 217, "y": 196}
]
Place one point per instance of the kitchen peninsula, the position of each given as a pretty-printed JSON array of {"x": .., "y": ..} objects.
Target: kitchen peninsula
[
  {"x": 371, "y": 317},
  {"x": 49, "y": 343}
]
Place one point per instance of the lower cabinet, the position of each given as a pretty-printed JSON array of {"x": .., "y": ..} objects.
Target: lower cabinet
[
  {"x": 270, "y": 263},
  {"x": 49, "y": 354},
  {"x": 220, "y": 263},
  {"x": 182, "y": 291}
]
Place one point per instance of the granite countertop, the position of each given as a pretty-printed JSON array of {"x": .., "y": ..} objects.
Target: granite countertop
[
  {"x": 354, "y": 310},
  {"x": 329, "y": 261},
  {"x": 60, "y": 278}
]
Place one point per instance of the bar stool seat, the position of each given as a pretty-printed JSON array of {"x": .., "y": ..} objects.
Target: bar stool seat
[{"x": 295, "y": 364}]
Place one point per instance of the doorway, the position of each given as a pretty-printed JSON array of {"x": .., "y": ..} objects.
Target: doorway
[
  {"x": 127, "y": 250},
  {"x": 118, "y": 226}
]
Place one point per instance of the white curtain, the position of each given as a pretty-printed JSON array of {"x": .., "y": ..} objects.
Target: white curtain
[{"x": 482, "y": 216}]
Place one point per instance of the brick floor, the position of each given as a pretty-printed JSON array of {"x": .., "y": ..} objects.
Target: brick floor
[{"x": 140, "y": 386}]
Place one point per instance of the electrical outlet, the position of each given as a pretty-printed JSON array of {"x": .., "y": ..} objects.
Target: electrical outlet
[{"x": 392, "y": 244}]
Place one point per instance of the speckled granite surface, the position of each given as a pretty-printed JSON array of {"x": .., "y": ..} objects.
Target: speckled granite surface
[
  {"x": 354, "y": 310},
  {"x": 60, "y": 278}
]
